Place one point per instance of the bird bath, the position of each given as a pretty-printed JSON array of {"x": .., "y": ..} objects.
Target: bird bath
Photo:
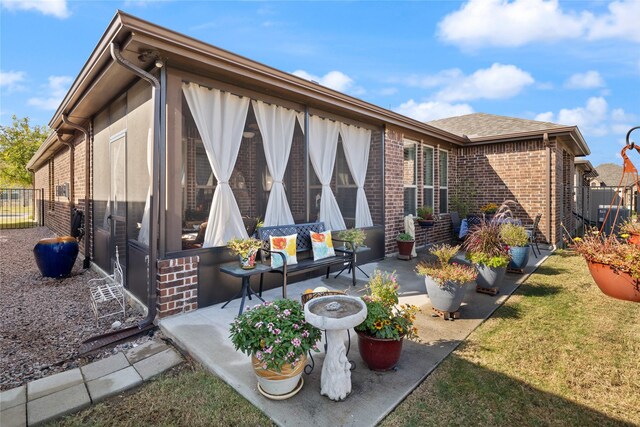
[{"x": 335, "y": 314}]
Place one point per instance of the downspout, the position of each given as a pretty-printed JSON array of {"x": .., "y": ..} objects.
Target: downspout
[
  {"x": 547, "y": 190},
  {"x": 155, "y": 181},
  {"x": 71, "y": 175},
  {"x": 87, "y": 184}
]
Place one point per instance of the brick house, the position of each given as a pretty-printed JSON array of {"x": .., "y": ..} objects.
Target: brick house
[{"x": 135, "y": 139}]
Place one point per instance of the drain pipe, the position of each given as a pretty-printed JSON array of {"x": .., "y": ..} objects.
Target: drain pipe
[
  {"x": 72, "y": 159},
  {"x": 155, "y": 181},
  {"x": 547, "y": 190},
  {"x": 87, "y": 184}
]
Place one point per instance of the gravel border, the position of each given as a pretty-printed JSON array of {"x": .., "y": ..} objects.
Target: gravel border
[{"x": 43, "y": 321}]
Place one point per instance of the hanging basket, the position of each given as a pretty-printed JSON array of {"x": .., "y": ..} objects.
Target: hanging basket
[{"x": 615, "y": 284}]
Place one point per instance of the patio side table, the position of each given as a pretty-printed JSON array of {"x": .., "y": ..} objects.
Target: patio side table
[
  {"x": 234, "y": 269},
  {"x": 354, "y": 264}
]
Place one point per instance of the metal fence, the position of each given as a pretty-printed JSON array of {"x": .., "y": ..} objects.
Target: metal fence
[
  {"x": 592, "y": 203},
  {"x": 21, "y": 208}
]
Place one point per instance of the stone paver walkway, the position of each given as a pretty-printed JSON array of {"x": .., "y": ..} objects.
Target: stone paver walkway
[{"x": 51, "y": 397}]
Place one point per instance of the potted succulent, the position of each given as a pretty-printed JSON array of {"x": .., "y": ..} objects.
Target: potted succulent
[
  {"x": 630, "y": 230},
  {"x": 405, "y": 245},
  {"x": 517, "y": 240},
  {"x": 355, "y": 236},
  {"x": 246, "y": 249},
  {"x": 425, "y": 216},
  {"x": 614, "y": 266},
  {"x": 277, "y": 337},
  {"x": 489, "y": 210},
  {"x": 445, "y": 281},
  {"x": 486, "y": 251},
  {"x": 381, "y": 335}
]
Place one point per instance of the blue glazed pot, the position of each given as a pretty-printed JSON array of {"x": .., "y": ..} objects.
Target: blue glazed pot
[
  {"x": 55, "y": 257},
  {"x": 519, "y": 257}
]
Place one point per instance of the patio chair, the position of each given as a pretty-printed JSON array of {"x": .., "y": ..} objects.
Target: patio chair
[
  {"x": 107, "y": 289},
  {"x": 456, "y": 223},
  {"x": 531, "y": 232}
]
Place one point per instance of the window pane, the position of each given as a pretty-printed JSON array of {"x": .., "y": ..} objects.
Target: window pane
[
  {"x": 444, "y": 178},
  {"x": 410, "y": 165},
  {"x": 428, "y": 197},
  {"x": 427, "y": 155},
  {"x": 346, "y": 189},
  {"x": 444, "y": 200},
  {"x": 409, "y": 201}
]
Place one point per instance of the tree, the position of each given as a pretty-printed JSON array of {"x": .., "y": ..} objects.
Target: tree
[{"x": 18, "y": 143}]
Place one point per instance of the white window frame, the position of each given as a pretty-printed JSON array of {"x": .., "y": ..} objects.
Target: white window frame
[
  {"x": 433, "y": 174},
  {"x": 440, "y": 186},
  {"x": 408, "y": 143}
]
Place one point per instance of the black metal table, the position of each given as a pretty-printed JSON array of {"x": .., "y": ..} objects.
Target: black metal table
[
  {"x": 234, "y": 269},
  {"x": 354, "y": 264}
]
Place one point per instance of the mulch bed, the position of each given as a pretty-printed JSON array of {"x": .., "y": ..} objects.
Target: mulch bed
[{"x": 43, "y": 321}]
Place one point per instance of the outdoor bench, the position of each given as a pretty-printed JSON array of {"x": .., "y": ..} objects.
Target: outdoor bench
[{"x": 304, "y": 252}]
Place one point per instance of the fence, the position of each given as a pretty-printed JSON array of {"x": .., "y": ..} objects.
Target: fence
[
  {"x": 21, "y": 208},
  {"x": 592, "y": 203}
]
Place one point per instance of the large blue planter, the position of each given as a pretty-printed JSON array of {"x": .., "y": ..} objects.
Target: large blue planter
[
  {"x": 447, "y": 297},
  {"x": 55, "y": 257},
  {"x": 519, "y": 257},
  {"x": 490, "y": 277}
]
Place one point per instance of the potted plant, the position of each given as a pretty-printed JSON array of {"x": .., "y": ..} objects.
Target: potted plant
[
  {"x": 277, "y": 337},
  {"x": 486, "y": 251},
  {"x": 425, "y": 216},
  {"x": 630, "y": 230},
  {"x": 614, "y": 266},
  {"x": 489, "y": 210},
  {"x": 445, "y": 281},
  {"x": 381, "y": 335},
  {"x": 517, "y": 240},
  {"x": 355, "y": 236},
  {"x": 405, "y": 245},
  {"x": 246, "y": 249}
]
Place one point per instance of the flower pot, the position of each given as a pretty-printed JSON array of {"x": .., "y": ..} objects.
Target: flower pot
[
  {"x": 55, "y": 257},
  {"x": 405, "y": 247},
  {"x": 634, "y": 239},
  {"x": 489, "y": 277},
  {"x": 426, "y": 223},
  {"x": 248, "y": 262},
  {"x": 613, "y": 283},
  {"x": 519, "y": 257},
  {"x": 279, "y": 385},
  {"x": 380, "y": 354},
  {"x": 447, "y": 297}
]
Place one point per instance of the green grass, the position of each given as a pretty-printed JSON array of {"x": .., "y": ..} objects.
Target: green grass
[
  {"x": 184, "y": 396},
  {"x": 558, "y": 352}
]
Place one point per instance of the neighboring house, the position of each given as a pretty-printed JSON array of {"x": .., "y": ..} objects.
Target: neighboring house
[
  {"x": 160, "y": 133},
  {"x": 529, "y": 162}
]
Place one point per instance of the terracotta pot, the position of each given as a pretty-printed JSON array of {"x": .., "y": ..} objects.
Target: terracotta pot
[
  {"x": 55, "y": 257},
  {"x": 447, "y": 297},
  {"x": 248, "y": 262},
  {"x": 405, "y": 247},
  {"x": 276, "y": 384},
  {"x": 634, "y": 239},
  {"x": 615, "y": 284},
  {"x": 380, "y": 354}
]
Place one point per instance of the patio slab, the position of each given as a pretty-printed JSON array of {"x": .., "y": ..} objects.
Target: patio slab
[
  {"x": 204, "y": 334},
  {"x": 57, "y": 404}
]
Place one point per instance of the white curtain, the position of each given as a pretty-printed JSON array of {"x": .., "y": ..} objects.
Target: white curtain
[
  {"x": 143, "y": 236},
  {"x": 220, "y": 118},
  {"x": 277, "y": 125},
  {"x": 356, "y": 142},
  {"x": 323, "y": 144}
]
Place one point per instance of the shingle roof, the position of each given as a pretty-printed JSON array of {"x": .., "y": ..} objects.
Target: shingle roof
[{"x": 480, "y": 125}]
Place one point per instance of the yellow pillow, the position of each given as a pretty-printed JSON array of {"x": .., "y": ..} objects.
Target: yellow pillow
[
  {"x": 322, "y": 245},
  {"x": 285, "y": 245}
]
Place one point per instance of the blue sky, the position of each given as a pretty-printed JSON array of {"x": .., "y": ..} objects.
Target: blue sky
[{"x": 574, "y": 62}]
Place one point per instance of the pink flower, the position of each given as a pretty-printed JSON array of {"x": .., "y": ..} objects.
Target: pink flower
[
  {"x": 287, "y": 312},
  {"x": 264, "y": 366},
  {"x": 296, "y": 342},
  {"x": 258, "y": 325},
  {"x": 268, "y": 350},
  {"x": 305, "y": 333},
  {"x": 296, "y": 326},
  {"x": 276, "y": 331},
  {"x": 259, "y": 355}
]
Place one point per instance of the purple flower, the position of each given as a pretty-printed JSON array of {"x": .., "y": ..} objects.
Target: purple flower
[
  {"x": 296, "y": 326},
  {"x": 276, "y": 331},
  {"x": 305, "y": 333},
  {"x": 259, "y": 355},
  {"x": 268, "y": 350},
  {"x": 296, "y": 342},
  {"x": 287, "y": 312}
]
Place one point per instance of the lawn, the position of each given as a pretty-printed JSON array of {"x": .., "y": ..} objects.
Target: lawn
[{"x": 558, "y": 352}]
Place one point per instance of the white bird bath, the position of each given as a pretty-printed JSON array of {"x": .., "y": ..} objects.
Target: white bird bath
[{"x": 335, "y": 314}]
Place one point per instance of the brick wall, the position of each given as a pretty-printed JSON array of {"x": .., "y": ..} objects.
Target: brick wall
[{"x": 177, "y": 286}]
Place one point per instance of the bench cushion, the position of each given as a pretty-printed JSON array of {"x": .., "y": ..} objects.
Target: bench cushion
[{"x": 322, "y": 245}]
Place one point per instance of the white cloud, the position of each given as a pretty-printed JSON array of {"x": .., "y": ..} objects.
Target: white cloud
[
  {"x": 480, "y": 23},
  {"x": 588, "y": 80},
  {"x": 545, "y": 117},
  {"x": 335, "y": 80},
  {"x": 387, "y": 91},
  {"x": 497, "y": 82},
  {"x": 11, "y": 80},
  {"x": 56, "y": 89},
  {"x": 57, "y": 8},
  {"x": 432, "y": 110}
]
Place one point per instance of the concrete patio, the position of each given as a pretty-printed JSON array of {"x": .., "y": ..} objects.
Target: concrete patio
[{"x": 204, "y": 335}]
